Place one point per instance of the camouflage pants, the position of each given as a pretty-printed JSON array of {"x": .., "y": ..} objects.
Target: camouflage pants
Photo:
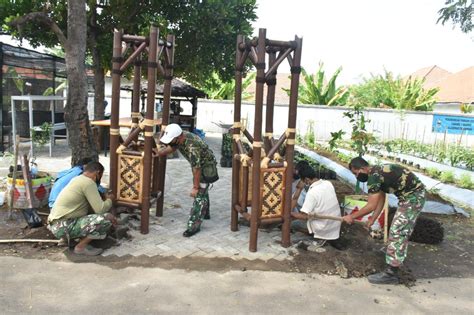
[
  {"x": 93, "y": 226},
  {"x": 402, "y": 227},
  {"x": 199, "y": 210}
]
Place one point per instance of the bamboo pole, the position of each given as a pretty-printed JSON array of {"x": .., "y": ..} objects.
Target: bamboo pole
[
  {"x": 114, "y": 114},
  {"x": 137, "y": 69},
  {"x": 290, "y": 143},
  {"x": 234, "y": 216},
  {"x": 149, "y": 115},
  {"x": 257, "y": 144},
  {"x": 15, "y": 166},
  {"x": 271, "y": 83},
  {"x": 169, "y": 64}
]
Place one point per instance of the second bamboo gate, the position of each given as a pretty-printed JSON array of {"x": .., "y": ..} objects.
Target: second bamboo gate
[{"x": 262, "y": 178}]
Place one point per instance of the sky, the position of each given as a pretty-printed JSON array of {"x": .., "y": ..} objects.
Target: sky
[{"x": 367, "y": 36}]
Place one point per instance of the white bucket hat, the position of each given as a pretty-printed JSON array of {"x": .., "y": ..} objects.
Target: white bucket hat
[{"x": 171, "y": 131}]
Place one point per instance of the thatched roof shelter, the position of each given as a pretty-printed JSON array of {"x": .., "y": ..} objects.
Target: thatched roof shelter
[{"x": 178, "y": 89}]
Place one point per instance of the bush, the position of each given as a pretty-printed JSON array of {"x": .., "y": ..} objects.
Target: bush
[
  {"x": 432, "y": 172},
  {"x": 447, "y": 177},
  {"x": 465, "y": 181}
]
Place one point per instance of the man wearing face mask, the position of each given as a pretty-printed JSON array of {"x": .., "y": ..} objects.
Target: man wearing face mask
[
  {"x": 80, "y": 213},
  {"x": 298, "y": 184},
  {"x": 390, "y": 179},
  {"x": 203, "y": 165},
  {"x": 320, "y": 199}
]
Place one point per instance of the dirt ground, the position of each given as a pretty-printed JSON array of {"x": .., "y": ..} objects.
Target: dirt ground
[{"x": 361, "y": 255}]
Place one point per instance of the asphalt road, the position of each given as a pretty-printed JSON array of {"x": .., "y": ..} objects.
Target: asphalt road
[{"x": 42, "y": 286}]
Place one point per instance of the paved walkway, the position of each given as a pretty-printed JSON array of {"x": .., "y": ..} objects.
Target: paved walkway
[{"x": 165, "y": 237}]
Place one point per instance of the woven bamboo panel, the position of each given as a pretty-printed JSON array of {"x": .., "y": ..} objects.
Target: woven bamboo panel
[
  {"x": 272, "y": 192},
  {"x": 130, "y": 181},
  {"x": 241, "y": 181}
]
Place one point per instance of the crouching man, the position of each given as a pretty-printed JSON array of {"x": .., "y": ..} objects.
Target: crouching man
[
  {"x": 320, "y": 200},
  {"x": 80, "y": 213}
]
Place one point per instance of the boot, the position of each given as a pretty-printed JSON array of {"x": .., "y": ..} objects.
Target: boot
[{"x": 389, "y": 276}]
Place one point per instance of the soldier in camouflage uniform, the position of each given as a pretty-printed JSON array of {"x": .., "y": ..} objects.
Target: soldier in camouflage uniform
[
  {"x": 226, "y": 151},
  {"x": 79, "y": 211},
  {"x": 397, "y": 180},
  {"x": 203, "y": 164}
]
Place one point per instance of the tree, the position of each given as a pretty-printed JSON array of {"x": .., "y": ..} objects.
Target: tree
[
  {"x": 459, "y": 12},
  {"x": 314, "y": 89},
  {"x": 216, "y": 89},
  {"x": 74, "y": 44},
  {"x": 205, "y": 31},
  {"x": 391, "y": 91}
]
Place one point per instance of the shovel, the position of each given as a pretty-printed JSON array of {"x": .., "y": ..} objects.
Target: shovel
[{"x": 30, "y": 213}]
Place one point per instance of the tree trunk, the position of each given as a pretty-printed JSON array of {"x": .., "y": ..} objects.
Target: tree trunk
[{"x": 75, "y": 113}]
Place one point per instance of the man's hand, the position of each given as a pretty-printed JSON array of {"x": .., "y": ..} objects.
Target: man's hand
[
  {"x": 111, "y": 218},
  {"x": 369, "y": 224},
  {"x": 110, "y": 196},
  {"x": 300, "y": 184},
  {"x": 348, "y": 219},
  {"x": 194, "y": 192}
]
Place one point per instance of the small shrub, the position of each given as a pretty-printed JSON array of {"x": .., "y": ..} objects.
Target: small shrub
[
  {"x": 465, "y": 181},
  {"x": 432, "y": 172},
  {"x": 447, "y": 177}
]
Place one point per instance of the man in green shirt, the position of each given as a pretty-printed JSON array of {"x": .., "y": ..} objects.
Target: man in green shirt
[
  {"x": 203, "y": 164},
  {"x": 397, "y": 180},
  {"x": 80, "y": 213}
]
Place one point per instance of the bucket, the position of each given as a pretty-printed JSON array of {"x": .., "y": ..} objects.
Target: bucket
[
  {"x": 41, "y": 189},
  {"x": 352, "y": 205}
]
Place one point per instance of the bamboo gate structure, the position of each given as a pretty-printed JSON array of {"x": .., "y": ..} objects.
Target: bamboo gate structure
[
  {"x": 262, "y": 178},
  {"x": 136, "y": 174}
]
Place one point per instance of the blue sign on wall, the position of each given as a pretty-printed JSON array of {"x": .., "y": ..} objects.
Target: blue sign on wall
[{"x": 453, "y": 124}]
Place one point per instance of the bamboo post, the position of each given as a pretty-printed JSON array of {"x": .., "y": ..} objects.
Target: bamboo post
[
  {"x": 271, "y": 83},
  {"x": 149, "y": 124},
  {"x": 234, "y": 216},
  {"x": 15, "y": 166},
  {"x": 169, "y": 64},
  {"x": 136, "y": 95},
  {"x": 385, "y": 225},
  {"x": 114, "y": 114},
  {"x": 290, "y": 143},
  {"x": 257, "y": 144}
]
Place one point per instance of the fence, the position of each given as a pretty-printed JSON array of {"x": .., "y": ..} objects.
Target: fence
[{"x": 384, "y": 123}]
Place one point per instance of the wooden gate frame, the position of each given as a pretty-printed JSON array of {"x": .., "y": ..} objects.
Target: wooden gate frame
[
  {"x": 255, "y": 50},
  {"x": 161, "y": 60}
]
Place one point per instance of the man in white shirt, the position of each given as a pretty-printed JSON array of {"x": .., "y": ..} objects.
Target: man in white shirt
[{"x": 320, "y": 200}]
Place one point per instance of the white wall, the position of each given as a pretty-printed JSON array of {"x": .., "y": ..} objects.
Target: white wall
[{"x": 385, "y": 124}]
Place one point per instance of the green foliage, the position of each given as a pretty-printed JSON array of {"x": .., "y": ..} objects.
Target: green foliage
[
  {"x": 393, "y": 92},
  {"x": 309, "y": 136},
  {"x": 459, "y": 12},
  {"x": 360, "y": 138},
  {"x": 432, "y": 172},
  {"x": 447, "y": 177},
  {"x": 216, "y": 89},
  {"x": 465, "y": 181},
  {"x": 452, "y": 154},
  {"x": 205, "y": 30},
  {"x": 313, "y": 89},
  {"x": 467, "y": 108},
  {"x": 43, "y": 135},
  {"x": 336, "y": 137}
]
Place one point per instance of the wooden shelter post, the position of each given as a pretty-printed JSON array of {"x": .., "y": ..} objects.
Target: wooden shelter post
[
  {"x": 257, "y": 136},
  {"x": 117, "y": 60},
  {"x": 290, "y": 142},
  {"x": 234, "y": 216}
]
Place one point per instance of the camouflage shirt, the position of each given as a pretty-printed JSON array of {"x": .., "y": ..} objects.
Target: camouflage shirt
[
  {"x": 393, "y": 179},
  {"x": 196, "y": 151}
]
